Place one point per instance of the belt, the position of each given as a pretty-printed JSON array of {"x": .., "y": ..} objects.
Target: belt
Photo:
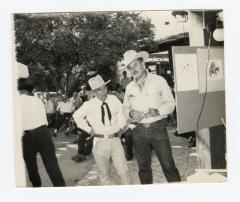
[
  {"x": 106, "y": 136},
  {"x": 147, "y": 125}
]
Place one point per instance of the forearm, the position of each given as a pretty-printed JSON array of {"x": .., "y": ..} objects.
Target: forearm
[
  {"x": 126, "y": 111},
  {"x": 168, "y": 101},
  {"x": 126, "y": 106},
  {"x": 79, "y": 117},
  {"x": 167, "y": 108}
]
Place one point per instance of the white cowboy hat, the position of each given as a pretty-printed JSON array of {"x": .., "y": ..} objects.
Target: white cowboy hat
[
  {"x": 97, "y": 82},
  {"x": 22, "y": 70},
  {"x": 131, "y": 55}
]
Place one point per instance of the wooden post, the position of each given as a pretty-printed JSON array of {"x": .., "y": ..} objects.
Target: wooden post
[
  {"x": 203, "y": 148},
  {"x": 211, "y": 148}
]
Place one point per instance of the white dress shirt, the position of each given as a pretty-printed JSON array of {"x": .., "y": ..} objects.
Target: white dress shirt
[
  {"x": 50, "y": 106},
  {"x": 155, "y": 94},
  {"x": 90, "y": 112},
  {"x": 66, "y": 107},
  {"x": 33, "y": 112}
]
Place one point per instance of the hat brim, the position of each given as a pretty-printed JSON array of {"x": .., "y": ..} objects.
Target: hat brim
[
  {"x": 22, "y": 70},
  {"x": 101, "y": 85},
  {"x": 142, "y": 54}
]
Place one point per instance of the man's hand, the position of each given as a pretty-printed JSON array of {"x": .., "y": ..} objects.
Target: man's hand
[
  {"x": 152, "y": 113},
  {"x": 122, "y": 131},
  {"x": 92, "y": 133},
  {"x": 136, "y": 116}
]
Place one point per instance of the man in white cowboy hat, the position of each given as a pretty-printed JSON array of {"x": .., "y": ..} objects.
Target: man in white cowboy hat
[
  {"x": 147, "y": 102},
  {"x": 102, "y": 117},
  {"x": 36, "y": 137}
]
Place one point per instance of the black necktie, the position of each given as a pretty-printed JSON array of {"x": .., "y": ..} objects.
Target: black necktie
[{"x": 103, "y": 112}]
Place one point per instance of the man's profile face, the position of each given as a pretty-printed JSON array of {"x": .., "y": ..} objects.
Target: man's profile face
[
  {"x": 101, "y": 93},
  {"x": 136, "y": 68}
]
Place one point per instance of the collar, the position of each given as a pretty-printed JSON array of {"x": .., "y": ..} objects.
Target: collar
[
  {"x": 100, "y": 101},
  {"x": 142, "y": 80}
]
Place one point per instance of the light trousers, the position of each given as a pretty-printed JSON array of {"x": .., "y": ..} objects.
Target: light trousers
[{"x": 103, "y": 151}]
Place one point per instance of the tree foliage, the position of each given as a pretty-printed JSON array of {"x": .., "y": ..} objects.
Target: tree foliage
[{"x": 53, "y": 45}]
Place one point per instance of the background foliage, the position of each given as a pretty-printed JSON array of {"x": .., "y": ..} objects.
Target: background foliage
[{"x": 62, "y": 50}]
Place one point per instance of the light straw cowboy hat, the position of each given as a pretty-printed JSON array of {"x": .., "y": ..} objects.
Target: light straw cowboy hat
[
  {"x": 22, "y": 70},
  {"x": 97, "y": 82},
  {"x": 131, "y": 55}
]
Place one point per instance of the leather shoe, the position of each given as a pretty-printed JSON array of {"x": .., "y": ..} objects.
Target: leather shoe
[{"x": 129, "y": 158}]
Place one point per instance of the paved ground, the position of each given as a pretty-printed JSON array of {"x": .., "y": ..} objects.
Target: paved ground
[{"x": 85, "y": 173}]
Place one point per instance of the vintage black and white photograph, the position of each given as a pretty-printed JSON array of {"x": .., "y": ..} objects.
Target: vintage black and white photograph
[{"x": 119, "y": 98}]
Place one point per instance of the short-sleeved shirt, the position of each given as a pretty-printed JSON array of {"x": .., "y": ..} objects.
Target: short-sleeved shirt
[{"x": 33, "y": 112}]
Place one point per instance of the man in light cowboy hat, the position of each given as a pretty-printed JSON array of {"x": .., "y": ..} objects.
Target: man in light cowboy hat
[
  {"x": 147, "y": 102},
  {"x": 36, "y": 137},
  {"x": 102, "y": 117}
]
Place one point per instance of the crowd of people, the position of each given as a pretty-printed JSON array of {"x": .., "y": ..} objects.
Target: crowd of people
[
  {"x": 60, "y": 107},
  {"x": 136, "y": 111}
]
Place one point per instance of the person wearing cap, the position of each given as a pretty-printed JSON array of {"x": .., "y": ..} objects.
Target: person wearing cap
[
  {"x": 102, "y": 117},
  {"x": 36, "y": 136},
  {"x": 147, "y": 102}
]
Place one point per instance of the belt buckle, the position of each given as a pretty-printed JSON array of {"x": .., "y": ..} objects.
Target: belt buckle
[
  {"x": 107, "y": 136},
  {"x": 110, "y": 136}
]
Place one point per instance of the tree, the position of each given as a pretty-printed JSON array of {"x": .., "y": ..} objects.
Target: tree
[{"x": 55, "y": 43}]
